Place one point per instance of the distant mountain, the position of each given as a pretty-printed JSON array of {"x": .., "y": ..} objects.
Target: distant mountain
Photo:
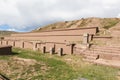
[
  {"x": 102, "y": 23},
  {"x": 6, "y": 33}
]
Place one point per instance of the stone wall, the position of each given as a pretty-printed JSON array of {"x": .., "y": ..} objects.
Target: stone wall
[
  {"x": 66, "y": 35},
  {"x": 67, "y": 49},
  {"x": 55, "y": 39},
  {"x": 76, "y": 31}
]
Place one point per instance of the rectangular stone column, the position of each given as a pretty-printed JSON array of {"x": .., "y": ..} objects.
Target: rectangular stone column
[
  {"x": 43, "y": 49},
  {"x": 34, "y": 46},
  {"x": 14, "y": 43},
  {"x": 85, "y": 38},
  {"x": 90, "y": 37},
  {"x": 85, "y": 43},
  {"x": 6, "y": 42},
  {"x": 22, "y": 44},
  {"x": 60, "y": 51},
  {"x": 1, "y": 42},
  {"x": 70, "y": 46},
  {"x": 52, "y": 50}
]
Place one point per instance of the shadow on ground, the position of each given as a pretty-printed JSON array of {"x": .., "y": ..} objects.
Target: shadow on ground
[
  {"x": 13, "y": 53},
  {"x": 2, "y": 77}
]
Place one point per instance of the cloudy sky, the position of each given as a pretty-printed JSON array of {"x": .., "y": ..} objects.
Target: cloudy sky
[{"x": 26, "y": 15}]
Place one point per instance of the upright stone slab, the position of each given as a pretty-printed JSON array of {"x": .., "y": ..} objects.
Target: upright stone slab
[
  {"x": 60, "y": 51},
  {"x": 14, "y": 43},
  {"x": 43, "y": 49},
  {"x": 51, "y": 50},
  {"x": 85, "y": 38},
  {"x": 34, "y": 46},
  {"x": 69, "y": 48}
]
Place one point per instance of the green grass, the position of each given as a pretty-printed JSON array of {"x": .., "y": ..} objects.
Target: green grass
[
  {"x": 98, "y": 73},
  {"x": 68, "y": 67},
  {"x": 110, "y": 23},
  {"x": 59, "y": 70}
]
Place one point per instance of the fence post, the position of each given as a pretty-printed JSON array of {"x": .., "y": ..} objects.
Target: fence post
[
  {"x": 7, "y": 42},
  {"x": 22, "y": 44},
  {"x": 14, "y": 43}
]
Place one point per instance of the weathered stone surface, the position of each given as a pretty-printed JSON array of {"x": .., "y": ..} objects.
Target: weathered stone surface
[
  {"x": 52, "y": 50},
  {"x": 5, "y": 50},
  {"x": 60, "y": 51},
  {"x": 2, "y": 77},
  {"x": 85, "y": 38},
  {"x": 43, "y": 49}
]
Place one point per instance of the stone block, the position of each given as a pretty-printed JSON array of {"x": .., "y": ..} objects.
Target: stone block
[
  {"x": 85, "y": 38},
  {"x": 43, "y": 49},
  {"x": 60, "y": 51},
  {"x": 5, "y": 50},
  {"x": 52, "y": 50}
]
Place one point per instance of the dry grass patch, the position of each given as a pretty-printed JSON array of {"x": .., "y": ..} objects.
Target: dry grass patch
[{"x": 20, "y": 68}]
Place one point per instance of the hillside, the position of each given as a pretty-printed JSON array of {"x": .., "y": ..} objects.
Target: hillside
[
  {"x": 102, "y": 23},
  {"x": 6, "y": 33}
]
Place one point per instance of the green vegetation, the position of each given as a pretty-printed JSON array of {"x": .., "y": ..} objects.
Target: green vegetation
[
  {"x": 53, "y": 67},
  {"x": 110, "y": 24}
]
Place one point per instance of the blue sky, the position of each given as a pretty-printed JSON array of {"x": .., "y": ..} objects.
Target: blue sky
[
  {"x": 9, "y": 28},
  {"x": 26, "y": 15},
  {"x": 4, "y": 27}
]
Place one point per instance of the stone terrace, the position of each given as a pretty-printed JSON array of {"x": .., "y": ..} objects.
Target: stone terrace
[
  {"x": 55, "y": 39},
  {"x": 68, "y": 41}
]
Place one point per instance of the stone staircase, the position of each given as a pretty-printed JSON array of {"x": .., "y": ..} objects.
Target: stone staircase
[{"x": 106, "y": 55}]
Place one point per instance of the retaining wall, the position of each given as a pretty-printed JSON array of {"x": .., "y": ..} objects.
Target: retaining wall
[
  {"x": 66, "y": 35},
  {"x": 67, "y": 48},
  {"x": 76, "y": 31},
  {"x": 49, "y": 38},
  {"x": 55, "y": 39}
]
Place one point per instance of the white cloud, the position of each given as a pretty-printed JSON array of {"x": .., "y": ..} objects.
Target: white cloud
[
  {"x": 11, "y": 30},
  {"x": 29, "y": 14}
]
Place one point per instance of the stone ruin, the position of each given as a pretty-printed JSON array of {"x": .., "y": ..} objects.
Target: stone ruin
[
  {"x": 5, "y": 50},
  {"x": 67, "y": 41}
]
